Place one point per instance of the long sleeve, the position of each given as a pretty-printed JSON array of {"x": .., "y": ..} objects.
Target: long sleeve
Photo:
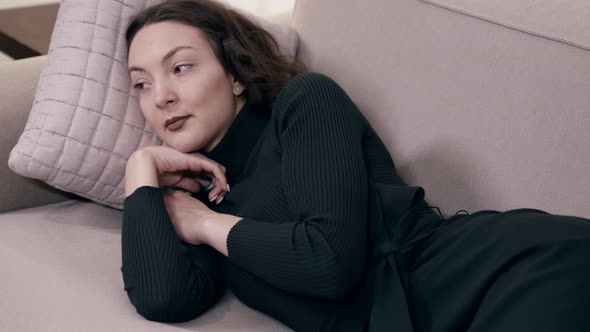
[
  {"x": 321, "y": 252},
  {"x": 166, "y": 279}
]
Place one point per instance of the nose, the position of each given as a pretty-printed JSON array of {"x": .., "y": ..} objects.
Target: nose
[{"x": 165, "y": 96}]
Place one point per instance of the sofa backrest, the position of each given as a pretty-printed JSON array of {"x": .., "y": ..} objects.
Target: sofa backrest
[{"x": 480, "y": 114}]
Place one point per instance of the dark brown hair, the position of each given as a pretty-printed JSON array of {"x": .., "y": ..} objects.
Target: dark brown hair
[{"x": 246, "y": 51}]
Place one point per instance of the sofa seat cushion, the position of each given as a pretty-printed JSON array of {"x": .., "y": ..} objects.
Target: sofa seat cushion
[{"x": 60, "y": 271}]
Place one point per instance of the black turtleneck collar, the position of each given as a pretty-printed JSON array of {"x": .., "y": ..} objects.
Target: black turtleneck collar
[{"x": 236, "y": 145}]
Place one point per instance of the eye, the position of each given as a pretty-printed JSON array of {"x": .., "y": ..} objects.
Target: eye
[
  {"x": 139, "y": 86},
  {"x": 181, "y": 68}
]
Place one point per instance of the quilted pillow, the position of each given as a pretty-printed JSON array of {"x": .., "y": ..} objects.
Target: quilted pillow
[{"x": 85, "y": 121}]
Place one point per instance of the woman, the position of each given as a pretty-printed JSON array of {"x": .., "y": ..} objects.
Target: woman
[{"x": 306, "y": 218}]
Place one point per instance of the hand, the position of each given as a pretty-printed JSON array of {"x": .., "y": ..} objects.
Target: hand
[
  {"x": 164, "y": 167},
  {"x": 195, "y": 223},
  {"x": 188, "y": 216}
]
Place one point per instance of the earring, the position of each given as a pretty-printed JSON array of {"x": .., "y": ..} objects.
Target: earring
[{"x": 238, "y": 90}]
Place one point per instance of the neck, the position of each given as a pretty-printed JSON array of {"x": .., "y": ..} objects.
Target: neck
[{"x": 238, "y": 105}]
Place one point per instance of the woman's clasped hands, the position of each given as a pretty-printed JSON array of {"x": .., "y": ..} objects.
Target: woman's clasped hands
[{"x": 167, "y": 168}]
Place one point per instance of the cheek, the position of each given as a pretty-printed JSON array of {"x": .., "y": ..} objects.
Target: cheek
[
  {"x": 207, "y": 90},
  {"x": 210, "y": 99},
  {"x": 148, "y": 114},
  {"x": 215, "y": 82},
  {"x": 225, "y": 99}
]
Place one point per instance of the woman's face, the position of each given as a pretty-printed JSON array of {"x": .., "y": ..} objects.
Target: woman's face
[{"x": 184, "y": 92}]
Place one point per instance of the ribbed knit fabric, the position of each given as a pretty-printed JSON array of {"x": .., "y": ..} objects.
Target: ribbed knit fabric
[
  {"x": 161, "y": 279},
  {"x": 299, "y": 179}
]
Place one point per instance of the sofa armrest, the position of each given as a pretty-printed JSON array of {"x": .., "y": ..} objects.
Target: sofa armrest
[{"x": 18, "y": 80}]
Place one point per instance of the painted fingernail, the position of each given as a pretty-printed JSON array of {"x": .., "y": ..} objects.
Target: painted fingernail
[
  {"x": 213, "y": 198},
  {"x": 219, "y": 200},
  {"x": 228, "y": 187}
]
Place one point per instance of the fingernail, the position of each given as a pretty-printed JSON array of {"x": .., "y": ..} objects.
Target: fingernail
[
  {"x": 219, "y": 200},
  {"x": 228, "y": 187},
  {"x": 213, "y": 198}
]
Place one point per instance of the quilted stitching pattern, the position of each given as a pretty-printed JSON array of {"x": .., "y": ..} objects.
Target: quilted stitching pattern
[{"x": 85, "y": 120}]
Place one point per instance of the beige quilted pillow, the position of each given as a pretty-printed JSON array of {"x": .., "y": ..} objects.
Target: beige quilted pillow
[{"x": 85, "y": 121}]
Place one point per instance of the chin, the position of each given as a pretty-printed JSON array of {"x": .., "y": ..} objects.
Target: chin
[
  {"x": 183, "y": 145},
  {"x": 184, "y": 148},
  {"x": 185, "y": 141}
]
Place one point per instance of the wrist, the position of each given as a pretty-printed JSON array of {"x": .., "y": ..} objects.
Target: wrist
[
  {"x": 140, "y": 157},
  {"x": 206, "y": 227},
  {"x": 140, "y": 171},
  {"x": 215, "y": 229}
]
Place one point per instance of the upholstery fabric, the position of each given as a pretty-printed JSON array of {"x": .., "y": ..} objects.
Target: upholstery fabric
[
  {"x": 16, "y": 95},
  {"x": 480, "y": 115},
  {"x": 562, "y": 20},
  {"x": 85, "y": 122},
  {"x": 61, "y": 272}
]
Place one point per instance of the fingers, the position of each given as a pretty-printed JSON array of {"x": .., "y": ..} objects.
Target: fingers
[
  {"x": 216, "y": 196},
  {"x": 205, "y": 183},
  {"x": 198, "y": 164},
  {"x": 171, "y": 163},
  {"x": 193, "y": 186},
  {"x": 189, "y": 184},
  {"x": 196, "y": 184}
]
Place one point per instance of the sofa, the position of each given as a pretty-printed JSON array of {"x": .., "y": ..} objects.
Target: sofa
[
  {"x": 486, "y": 106},
  {"x": 30, "y": 22}
]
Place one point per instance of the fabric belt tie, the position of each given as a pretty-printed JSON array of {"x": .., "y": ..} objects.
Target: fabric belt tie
[{"x": 393, "y": 230}]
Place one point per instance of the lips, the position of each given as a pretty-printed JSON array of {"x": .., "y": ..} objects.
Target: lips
[{"x": 176, "y": 122}]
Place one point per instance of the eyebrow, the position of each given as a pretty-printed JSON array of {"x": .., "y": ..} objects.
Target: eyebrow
[{"x": 164, "y": 59}]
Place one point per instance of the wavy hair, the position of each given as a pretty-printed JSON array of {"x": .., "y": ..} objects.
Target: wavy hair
[{"x": 246, "y": 51}]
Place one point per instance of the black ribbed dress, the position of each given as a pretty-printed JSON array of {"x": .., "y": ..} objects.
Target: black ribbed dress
[{"x": 306, "y": 177}]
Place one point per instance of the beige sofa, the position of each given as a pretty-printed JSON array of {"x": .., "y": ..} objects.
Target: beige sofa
[{"x": 481, "y": 111}]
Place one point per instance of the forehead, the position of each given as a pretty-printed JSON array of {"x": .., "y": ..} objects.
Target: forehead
[{"x": 154, "y": 40}]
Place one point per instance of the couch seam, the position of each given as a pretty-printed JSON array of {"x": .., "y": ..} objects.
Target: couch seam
[{"x": 506, "y": 25}]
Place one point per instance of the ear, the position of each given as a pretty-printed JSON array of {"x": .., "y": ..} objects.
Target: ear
[{"x": 237, "y": 87}]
